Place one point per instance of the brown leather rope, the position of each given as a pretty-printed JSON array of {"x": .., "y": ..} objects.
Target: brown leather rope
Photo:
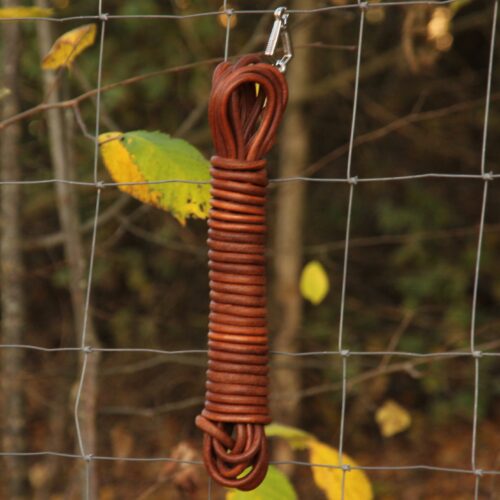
[{"x": 244, "y": 123}]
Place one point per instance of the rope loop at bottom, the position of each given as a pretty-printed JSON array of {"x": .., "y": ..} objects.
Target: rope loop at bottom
[{"x": 245, "y": 465}]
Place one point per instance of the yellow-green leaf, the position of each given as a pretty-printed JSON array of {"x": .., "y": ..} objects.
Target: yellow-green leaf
[
  {"x": 152, "y": 157},
  {"x": 329, "y": 479},
  {"x": 4, "y": 92},
  {"x": 459, "y": 4},
  {"x": 392, "y": 418},
  {"x": 69, "y": 46},
  {"x": 17, "y": 12},
  {"x": 275, "y": 486},
  {"x": 314, "y": 282}
]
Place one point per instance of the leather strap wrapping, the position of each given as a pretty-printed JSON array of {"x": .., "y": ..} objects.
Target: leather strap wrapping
[{"x": 246, "y": 105}]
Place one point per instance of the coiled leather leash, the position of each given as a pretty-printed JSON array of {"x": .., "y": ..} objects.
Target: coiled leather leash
[{"x": 246, "y": 105}]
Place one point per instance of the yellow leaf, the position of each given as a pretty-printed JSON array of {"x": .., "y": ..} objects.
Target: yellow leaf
[
  {"x": 17, "y": 12},
  {"x": 329, "y": 479},
  {"x": 122, "y": 169},
  {"x": 438, "y": 29},
  {"x": 392, "y": 418},
  {"x": 314, "y": 283},
  {"x": 439, "y": 25},
  {"x": 223, "y": 18},
  {"x": 68, "y": 46}
]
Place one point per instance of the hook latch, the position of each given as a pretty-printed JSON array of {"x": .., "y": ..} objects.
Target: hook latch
[{"x": 280, "y": 31}]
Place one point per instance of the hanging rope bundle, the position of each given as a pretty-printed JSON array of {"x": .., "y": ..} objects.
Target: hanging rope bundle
[{"x": 246, "y": 105}]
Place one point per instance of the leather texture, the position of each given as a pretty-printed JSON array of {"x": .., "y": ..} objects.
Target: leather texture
[{"x": 246, "y": 105}]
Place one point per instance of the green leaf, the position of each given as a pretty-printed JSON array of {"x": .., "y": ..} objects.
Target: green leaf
[
  {"x": 275, "y": 486},
  {"x": 141, "y": 156},
  {"x": 314, "y": 282}
]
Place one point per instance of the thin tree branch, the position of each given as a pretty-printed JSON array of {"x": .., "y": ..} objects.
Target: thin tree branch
[
  {"x": 56, "y": 239},
  {"x": 408, "y": 366},
  {"x": 71, "y": 103},
  {"x": 394, "y": 126},
  {"x": 105, "y": 88},
  {"x": 396, "y": 239}
]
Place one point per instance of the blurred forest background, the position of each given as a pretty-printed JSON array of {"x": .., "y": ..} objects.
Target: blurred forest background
[{"x": 411, "y": 266}]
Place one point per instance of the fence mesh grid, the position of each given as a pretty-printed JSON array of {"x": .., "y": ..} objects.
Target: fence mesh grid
[{"x": 342, "y": 353}]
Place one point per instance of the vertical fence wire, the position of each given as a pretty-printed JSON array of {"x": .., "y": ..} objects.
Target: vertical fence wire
[
  {"x": 352, "y": 182},
  {"x": 342, "y": 354},
  {"x": 86, "y": 351},
  {"x": 487, "y": 179}
]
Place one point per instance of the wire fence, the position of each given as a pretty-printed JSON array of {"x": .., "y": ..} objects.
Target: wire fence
[{"x": 343, "y": 353}]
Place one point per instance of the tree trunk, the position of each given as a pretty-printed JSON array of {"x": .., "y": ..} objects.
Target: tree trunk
[
  {"x": 293, "y": 150},
  {"x": 67, "y": 207},
  {"x": 12, "y": 272}
]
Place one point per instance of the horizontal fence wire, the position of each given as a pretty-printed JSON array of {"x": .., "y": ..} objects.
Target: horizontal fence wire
[
  {"x": 337, "y": 180},
  {"x": 84, "y": 350},
  {"x": 230, "y": 11}
]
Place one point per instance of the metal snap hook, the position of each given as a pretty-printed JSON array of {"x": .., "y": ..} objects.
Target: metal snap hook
[{"x": 280, "y": 31}]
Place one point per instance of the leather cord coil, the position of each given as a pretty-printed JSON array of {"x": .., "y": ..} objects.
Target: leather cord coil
[{"x": 247, "y": 102}]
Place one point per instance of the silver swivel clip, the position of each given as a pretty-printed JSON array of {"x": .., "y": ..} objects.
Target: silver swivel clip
[{"x": 280, "y": 31}]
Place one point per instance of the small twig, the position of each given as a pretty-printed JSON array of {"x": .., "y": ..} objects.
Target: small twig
[
  {"x": 121, "y": 230},
  {"x": 81, "y": 123},
  {"x": 396, "y": 337},
  {"x": 161, "y": 481},
  {"x": 85, "y": 86},
  {"x": 152, "y": 412},
  {"x": 321, "y": 45},
  {"x": 170, "y": 245}
]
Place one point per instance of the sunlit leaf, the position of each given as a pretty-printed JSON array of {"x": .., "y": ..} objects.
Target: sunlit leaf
[
  {"x": 69, "y": 46},
  {"x": 275, "y": 486},
  {"x": 329, "y": 479},
  {"x": 149, "y": 157},
  {"x": 4, "y": 92},
  {"x": 314, "y": 282},
  {"x": 224, "y": 18},
  {"x": 17, "y": 12},
  {"x": 438, "y": 28},
  {"x": 392, "y": 418},
  {"x": 439, "y": 24}
]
